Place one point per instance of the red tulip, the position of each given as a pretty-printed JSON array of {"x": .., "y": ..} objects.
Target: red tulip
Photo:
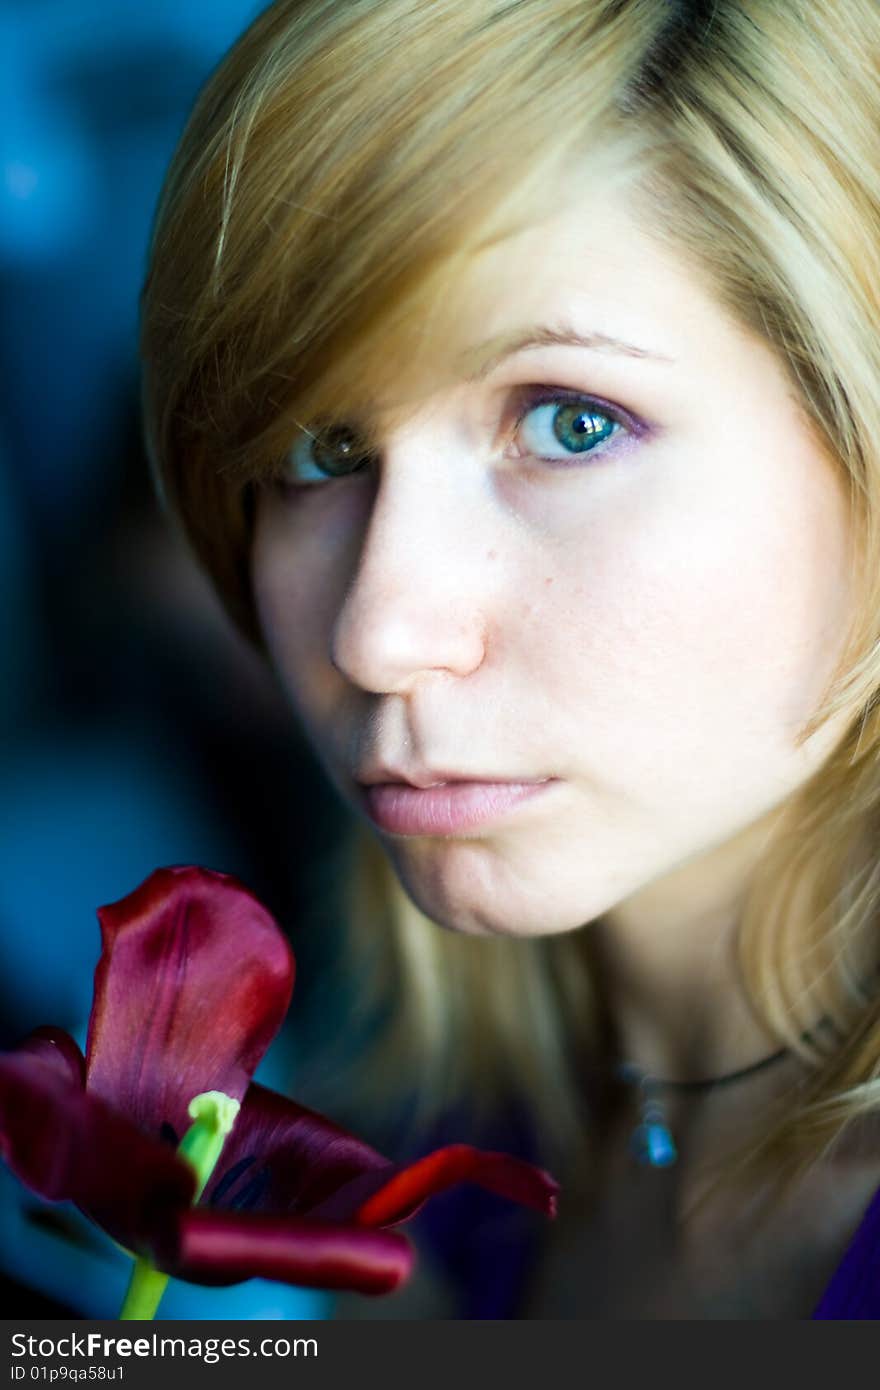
[{"x": 193, "y": 983}]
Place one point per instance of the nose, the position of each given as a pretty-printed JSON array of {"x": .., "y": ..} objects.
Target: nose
[{"x": 418, "y": 602}]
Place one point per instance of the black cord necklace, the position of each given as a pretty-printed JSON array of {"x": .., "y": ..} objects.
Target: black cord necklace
[{"x": 652, "y": 1142}]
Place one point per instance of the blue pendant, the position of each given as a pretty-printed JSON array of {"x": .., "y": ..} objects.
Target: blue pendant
[
  {"x": 651, "y": 1142},
  {"x": 653, "y": 1145}
]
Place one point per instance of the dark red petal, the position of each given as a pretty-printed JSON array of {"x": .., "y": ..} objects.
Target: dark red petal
[
  {"x": 403, "y": 1193},
  {"x": 192, "y": 985},
  {"x": 58, "y": 1050},
  {"x": 282, "y": 1157},
  {"x": 65, "y": 1145},
  {"x": 214, "y": 1247}
]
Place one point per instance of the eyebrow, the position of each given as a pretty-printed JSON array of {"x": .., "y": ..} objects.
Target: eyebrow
[{"x": 564, "y": 336}]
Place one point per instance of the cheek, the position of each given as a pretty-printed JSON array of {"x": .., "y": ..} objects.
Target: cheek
[
  {"x": 699, "y": 625},
  {"x": 298, "y": 592}
]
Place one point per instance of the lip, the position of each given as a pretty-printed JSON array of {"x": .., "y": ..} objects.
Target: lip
[
  {"x": 403, "y": 809},
  {"x": 421, "y": 776}
]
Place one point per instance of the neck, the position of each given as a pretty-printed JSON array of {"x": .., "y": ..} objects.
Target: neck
[
  {"x": 667, "y": 960},
  {"x": 667, "y": 966}
]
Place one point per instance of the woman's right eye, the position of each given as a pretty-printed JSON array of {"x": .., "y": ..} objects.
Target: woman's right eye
[{"x": 316, "y": 456}]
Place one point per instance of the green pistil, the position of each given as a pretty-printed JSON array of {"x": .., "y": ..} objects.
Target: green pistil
[{"x": 213, "y": 1115}]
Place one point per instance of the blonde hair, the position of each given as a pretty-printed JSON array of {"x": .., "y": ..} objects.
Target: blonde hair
[{"x": 341, "y": 171}]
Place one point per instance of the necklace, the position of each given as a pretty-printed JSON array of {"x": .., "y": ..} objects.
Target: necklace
[{"x": 651, "y": 1141}]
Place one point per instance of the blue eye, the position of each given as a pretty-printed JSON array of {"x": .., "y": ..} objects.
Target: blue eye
[
  {"x": 563, "y": 425},
  {"x": 551, "y": 424},
  {"x": 316, "y": 456}
]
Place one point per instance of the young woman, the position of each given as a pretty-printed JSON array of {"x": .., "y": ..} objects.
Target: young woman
[{"x": 513, "y": 366}]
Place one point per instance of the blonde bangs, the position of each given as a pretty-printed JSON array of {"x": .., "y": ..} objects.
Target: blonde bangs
[{"x": 339, "y": 175}]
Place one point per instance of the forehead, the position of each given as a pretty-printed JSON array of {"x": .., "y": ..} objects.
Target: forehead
[
  {"x": 591, "y": 277},
  {"x": 592, "y": 267}
]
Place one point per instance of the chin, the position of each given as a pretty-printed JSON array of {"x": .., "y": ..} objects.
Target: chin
[{"x": 473, "y": 895}]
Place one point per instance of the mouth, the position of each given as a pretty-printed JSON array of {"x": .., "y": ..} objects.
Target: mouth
[{"x": 446, "y": 807}]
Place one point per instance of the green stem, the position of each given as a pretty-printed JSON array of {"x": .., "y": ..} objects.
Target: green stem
[
  {"x": 144, "y": 1292},
  {"x": 213, "y": 1115}
]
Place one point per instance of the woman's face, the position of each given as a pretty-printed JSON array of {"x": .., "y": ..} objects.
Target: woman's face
[{"x": 614, "y": 564}]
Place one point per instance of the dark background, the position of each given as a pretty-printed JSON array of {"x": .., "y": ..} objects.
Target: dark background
[{"x": 137, "y": 729}]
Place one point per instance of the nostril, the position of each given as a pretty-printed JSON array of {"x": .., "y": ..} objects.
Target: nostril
[{"x": 384, "y": 646}]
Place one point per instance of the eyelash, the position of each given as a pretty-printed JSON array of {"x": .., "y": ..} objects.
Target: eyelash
[
  {"x": 526, "y": 399},
  {"x": 530, "y": 398}
]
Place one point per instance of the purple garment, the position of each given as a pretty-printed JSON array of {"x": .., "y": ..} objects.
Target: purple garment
[
  {"x": 487, "y": 1247},
  {"x": 854, "y": 1291}
]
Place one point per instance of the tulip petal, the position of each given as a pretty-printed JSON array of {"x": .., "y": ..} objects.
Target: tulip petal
[
  {"x": 284, "y": 1158},
  {"x": 401, "y": 1194},
  {"x": 214, "y": 1247},
  {"x": 65, "y": 1145},
  {"x": 193, "y": 983},
  {"x": 58, "y": 1050}
]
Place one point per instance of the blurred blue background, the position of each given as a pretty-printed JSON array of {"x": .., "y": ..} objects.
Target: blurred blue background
[{"x": 136, "y": 729}]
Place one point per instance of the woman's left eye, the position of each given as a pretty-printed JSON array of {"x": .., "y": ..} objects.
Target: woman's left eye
[{"x": 556, "y": 424}]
